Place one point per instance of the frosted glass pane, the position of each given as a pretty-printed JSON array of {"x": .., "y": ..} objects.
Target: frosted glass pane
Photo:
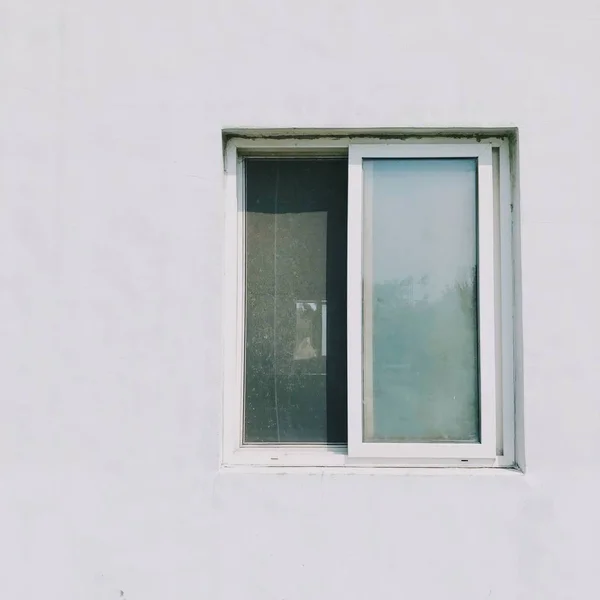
[
  {"x": 295, "y": 354},
  {"x": 421, "y": 366}
]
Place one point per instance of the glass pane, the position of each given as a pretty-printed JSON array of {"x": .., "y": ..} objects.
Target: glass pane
[
  {"x": 420, "y": 305},
  {"x": 295, "y": 363}
]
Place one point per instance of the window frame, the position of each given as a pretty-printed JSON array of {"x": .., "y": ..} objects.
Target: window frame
[
  {"x": 498, "y": 441},
  {"x": 357, "y": 397}
]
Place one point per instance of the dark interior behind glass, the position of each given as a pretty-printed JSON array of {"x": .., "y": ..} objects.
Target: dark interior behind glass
[{"x": 295, "y": 338}]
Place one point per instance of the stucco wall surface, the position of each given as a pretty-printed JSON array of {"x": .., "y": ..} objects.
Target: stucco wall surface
[{"x": 111, "y": 260}]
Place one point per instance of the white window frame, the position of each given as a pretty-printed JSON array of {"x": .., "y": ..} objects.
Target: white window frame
[
  {"x": 495, "y": 303},
  {"x": 357, "y": 400}
]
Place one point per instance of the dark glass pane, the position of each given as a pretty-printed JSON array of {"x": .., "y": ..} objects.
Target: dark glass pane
[{"x": 295, "y": 367}]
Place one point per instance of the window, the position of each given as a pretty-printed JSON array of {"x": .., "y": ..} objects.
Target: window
[{"x": 369, "y": 303}]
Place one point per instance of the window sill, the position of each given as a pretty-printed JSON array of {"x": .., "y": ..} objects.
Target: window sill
[
  {"x": 379, "y": 471},
  {"x": 335, "y": 459}
]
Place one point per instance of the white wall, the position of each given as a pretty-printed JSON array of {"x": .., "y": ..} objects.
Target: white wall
[{"x": 111, "y": 229}]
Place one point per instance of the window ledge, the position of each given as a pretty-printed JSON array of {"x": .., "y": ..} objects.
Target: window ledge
[
  {"x": 335, "y": 459},
  {"x": 494, "y": 471}
]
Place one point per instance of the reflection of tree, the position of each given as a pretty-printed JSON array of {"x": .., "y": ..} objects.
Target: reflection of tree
[{"x": 425, "y": 361}]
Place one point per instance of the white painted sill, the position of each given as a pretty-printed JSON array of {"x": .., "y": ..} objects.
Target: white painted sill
[
  {"x": 335, "y": 460},
  {"x": 376, "y": 471}
]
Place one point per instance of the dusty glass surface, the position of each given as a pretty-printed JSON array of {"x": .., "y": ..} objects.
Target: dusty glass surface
[
  {"x": 420, "y": 305},
  {"x": 295, "y": 346}
]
